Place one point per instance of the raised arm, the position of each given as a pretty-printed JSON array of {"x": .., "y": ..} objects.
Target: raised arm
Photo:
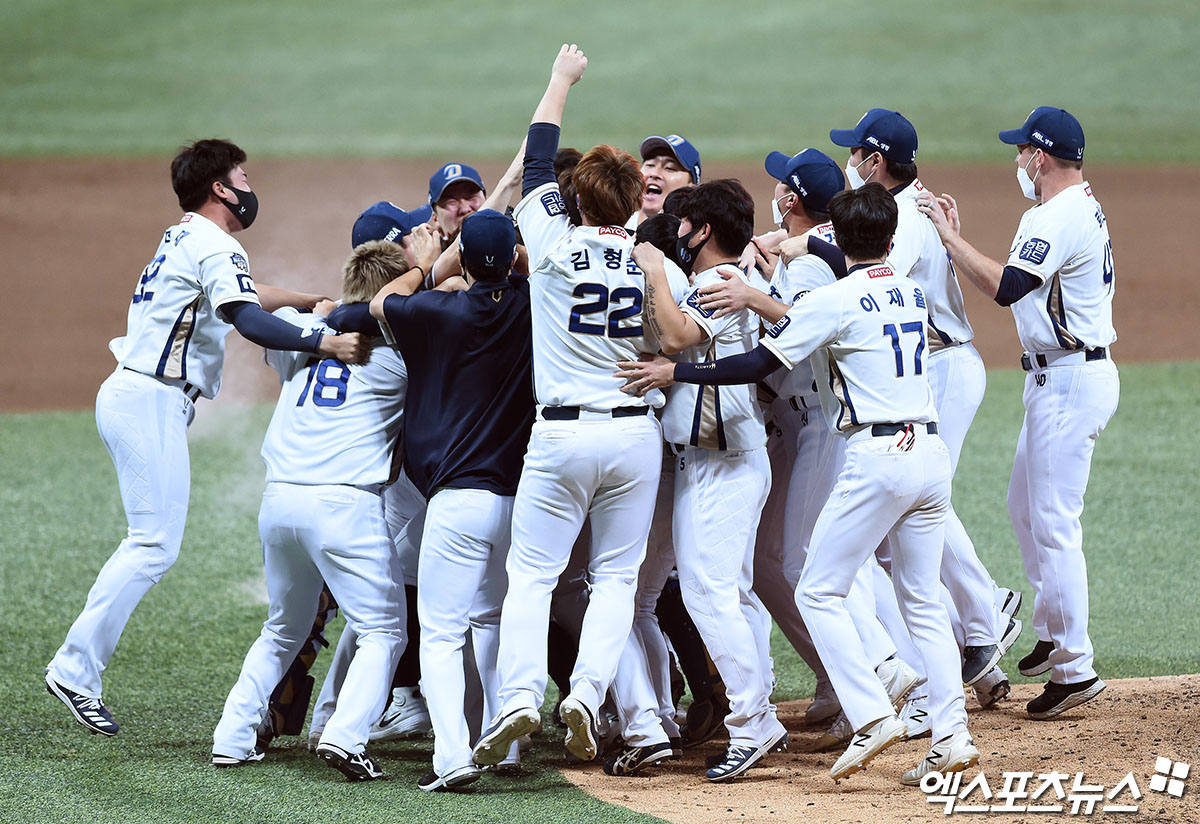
[{"x": 568, "y": 68}]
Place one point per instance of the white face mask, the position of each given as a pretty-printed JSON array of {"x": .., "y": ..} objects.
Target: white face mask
[
  {"x": 777, "y": 215},
  {"x": 1027, "y": 182},
  {"x": 854, "y": 178}
]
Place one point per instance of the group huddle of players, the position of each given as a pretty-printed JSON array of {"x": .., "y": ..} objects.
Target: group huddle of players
[{"x": 610, "y": 434}]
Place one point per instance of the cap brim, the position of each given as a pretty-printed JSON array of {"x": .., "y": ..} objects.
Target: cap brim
[
  {"x": 656, "y": 142},
  {"x": 843, "y": 137},
  {"x": 454, "y": 180},
  {"x": 1013, "y": 137},
  {"x": 776, "y": 165}
]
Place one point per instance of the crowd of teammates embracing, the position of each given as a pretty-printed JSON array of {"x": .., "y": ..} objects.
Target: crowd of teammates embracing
[{"x": 519, "y": 437}]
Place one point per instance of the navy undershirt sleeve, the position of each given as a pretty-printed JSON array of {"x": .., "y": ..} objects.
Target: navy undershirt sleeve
[
  {"x": 749, "y": 367},
  {"x": 540, "y": 148},
  {"x": 354, "y": 317},
  {"x": 1015, "y": 284},
  {"x": 829, "y": 253},
  {"x": 257, "y": 325}
]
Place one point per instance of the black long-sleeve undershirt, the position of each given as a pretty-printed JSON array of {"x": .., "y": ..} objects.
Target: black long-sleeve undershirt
[
  {"x": 749, "y": 367},
  {"x": 257, "y": 325}
]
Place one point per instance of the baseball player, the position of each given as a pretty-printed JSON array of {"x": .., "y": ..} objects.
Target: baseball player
[
  {"x": 1059, "y": 281},
  {"x": 594, "y": 452},
  {"x": 668, "y": 163},
  {"x": 466, "y": 428},
  {"x": 197, "y": 284},
  {"x": 867, "y": 330},
  {"x": 455, "y": 191},
  {"x": 328, "y": 452},
  {"x": 883, "y": 148}
]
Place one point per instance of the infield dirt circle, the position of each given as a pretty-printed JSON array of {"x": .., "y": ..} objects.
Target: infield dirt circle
[{"x": 77, "y": 233}]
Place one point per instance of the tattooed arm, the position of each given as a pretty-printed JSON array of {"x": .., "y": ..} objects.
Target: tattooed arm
[{"x": 674, "y": 330}]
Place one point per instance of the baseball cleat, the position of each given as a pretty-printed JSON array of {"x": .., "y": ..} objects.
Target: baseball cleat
[
  {"x": 898, "y": 680},
  {"x": 705, "y": 720},
  {"x": 493, "y": 746},
  {"x": 1012, "y": 602},
  {"x": 256, "y": 754},
  {"x": 1058, "y": 698},
  {"x": 90, "y": 712},
  {"x": 915, "y": 716},
  {"x": 407, "y": 715},
  {"x": 582, "y": 735},
  {"x": 867, "y": 743},
  {"x": 991, "y": 688},
  {"x": 1037, "y": 661},
  {"x": 632, "y": 759},
  {"x": 1012, "y": 632},
  {"x": 838, "y": 734},
  {"x": 824, "y": 706},
  {"x": 737, "y": 758},
  {"x": 431, "y": 782},
  {"x": 978, "y": 661},
  {"x": 676, "y": 746},
  {"x": 954, "y": 753},
  {"x": 355, "y": 766}
]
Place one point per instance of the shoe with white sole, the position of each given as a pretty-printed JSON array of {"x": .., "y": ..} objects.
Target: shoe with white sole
[
  {"x": 915, "y": 716},
  {"x": 406, "y": 715},
  {"x": 898, "y": 680},
  {"x": 431, "y": 782},
  {"x": 978, "y": 661},
  {"x": 90, "y": 712},
  {"x": 738, "y": 758},
  {"x": 867, "y": 743},
  {"x": 954, "y": 753},
  {"x": 1011, "y": 604},
  {"x": 496, "y": 741},
  {"x": 256, "y": 754},
  {"x": 355, "y": 766},
  {"x": 1058, "y": 698},
  {"x": 632, "y": 759},
  {"x": 992, "y": 687},
  {"x": 1038, "y": 659},
  {"x": 582, "y": 735},
  {"x": 1011, "y": 633}
]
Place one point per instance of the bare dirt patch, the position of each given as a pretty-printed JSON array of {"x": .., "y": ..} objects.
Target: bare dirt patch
[
  {"x": 1122, "y": 730},
  {"x": 75, "y": 235}
]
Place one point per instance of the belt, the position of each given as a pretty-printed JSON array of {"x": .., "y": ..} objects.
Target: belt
[
  {"x": 574, "y": 413},
  {"x": 188, "y": 389},
  {"x": 882, "y": 430},
  {"x": 1061, "y": 357}
]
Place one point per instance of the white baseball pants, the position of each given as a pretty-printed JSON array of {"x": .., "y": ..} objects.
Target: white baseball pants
[
  {"x": 605, "y": 469},
  {"x": 1066, "y": 408},
  {"x": 719, "y": 497},
  {"x": 460, "y": 588},
  {"x": 143, "y": 423},
  {"x": 312, "y": 533},
  {"x": 883, "y": 492}
]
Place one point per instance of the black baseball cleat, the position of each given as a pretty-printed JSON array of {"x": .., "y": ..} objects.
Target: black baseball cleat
[
  {"x": 1037, "y": 661},
  {"x": 632, "y": 759},
  {"x": 256, "y": 754},
  {"x": 90, "y": 712},
  {"x": 1058, "y": 698},
  {"x": 978, "y": 661},
  {"x": 355, "y": 766}
]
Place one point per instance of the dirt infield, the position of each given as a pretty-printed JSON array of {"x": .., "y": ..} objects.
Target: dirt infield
[
  {"x": 1123, "y": 730},
  {"x": 76, "y": 234}
]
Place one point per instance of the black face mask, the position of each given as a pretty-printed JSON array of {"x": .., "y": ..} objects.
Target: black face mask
[
  {"x": 685, "y": 256},
  {"x": 246, "y": 209}
]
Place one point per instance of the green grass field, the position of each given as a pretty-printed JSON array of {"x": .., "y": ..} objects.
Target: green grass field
[
  {"x": 61, "y": 518},
  {"x": 386, "y": 78}
]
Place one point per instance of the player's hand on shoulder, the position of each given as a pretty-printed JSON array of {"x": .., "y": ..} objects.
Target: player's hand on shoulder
[
  {"x": 950, "y": 207},
  {"x": 792, "y": 248},
  {"x": 647, "y": 254},
  {"x": 350, "y": 347},
  {"x": 732, "y": 294},
  {"x": 938, "y": 210},
  {"x": 569, "y": 64},
  {"x": 647, "y": 373},
  {"x": 423, "y": 248}
]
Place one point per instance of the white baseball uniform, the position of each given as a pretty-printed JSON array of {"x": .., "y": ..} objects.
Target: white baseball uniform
[
  {"x": 868, "y": 333},
  {"x": 328, "y": 451},
  {"x": 172, "y": 352},
  {"x": 1070, "y": 395},
  {"x": 594, "y": 451},
  {"x": 721, "y": 483},
  {"x": 957, "y": 378}
]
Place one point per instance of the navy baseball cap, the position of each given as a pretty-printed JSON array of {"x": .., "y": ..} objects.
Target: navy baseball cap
[
  {"x": 486, "y": 244},
  {"x": 676, "y": 146},
  {"x": 883, "y": 131},
  {"x": 812, "y": 175},
  {"x": 387, "y": 221},
  {"x": 1054, "y": 131},
  {"x": 452, "y": 173}
]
